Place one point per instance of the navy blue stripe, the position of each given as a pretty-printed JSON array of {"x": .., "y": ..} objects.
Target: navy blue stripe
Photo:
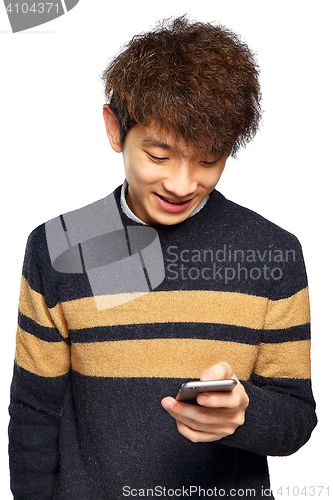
[
  {"x": 39, "y": 331},
  {"x": 210, "y": 331},
  {"x": 294, "y": 333}
]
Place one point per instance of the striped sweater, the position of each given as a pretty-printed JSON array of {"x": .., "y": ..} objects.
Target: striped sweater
[{"x": 114, "y": 316}]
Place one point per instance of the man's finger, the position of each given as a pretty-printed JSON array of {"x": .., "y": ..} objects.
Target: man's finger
[{"x": 219, "y": 371}]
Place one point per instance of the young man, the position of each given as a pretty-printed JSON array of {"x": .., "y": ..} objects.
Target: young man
[{"x": 160, "y": 282}]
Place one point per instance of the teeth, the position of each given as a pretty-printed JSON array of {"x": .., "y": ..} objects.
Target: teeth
[{"x": 170, "y": 201}]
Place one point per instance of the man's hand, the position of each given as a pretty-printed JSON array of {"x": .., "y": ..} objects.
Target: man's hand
[{"x": 219, "y": 413}]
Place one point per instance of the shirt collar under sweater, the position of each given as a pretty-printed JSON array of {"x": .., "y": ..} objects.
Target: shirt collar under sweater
[{"x": 127, "y": 211}]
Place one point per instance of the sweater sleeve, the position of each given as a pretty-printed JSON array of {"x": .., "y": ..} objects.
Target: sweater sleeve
[
  {"x": 281, "y": 413},
  {"x": 41, "y": 374}
]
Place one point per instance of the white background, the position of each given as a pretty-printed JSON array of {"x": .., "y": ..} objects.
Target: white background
[{"x": 55, "y": 157}]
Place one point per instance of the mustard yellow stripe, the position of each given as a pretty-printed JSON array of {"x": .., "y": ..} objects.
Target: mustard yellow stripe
[
  {"x": 286, "y": 360},
  {"x": 178, "y": 358},
  {"x": 47, "y": 359},
  {"x": 174, "y": 306},
  {"x": 289, "y": 312},
  {"x": 32, "y": 304}
]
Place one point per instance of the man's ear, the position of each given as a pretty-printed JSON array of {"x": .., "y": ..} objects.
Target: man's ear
[{"x": 112, "y": 128}]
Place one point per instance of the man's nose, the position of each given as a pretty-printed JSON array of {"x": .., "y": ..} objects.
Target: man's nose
[{"x": 181, "y": 180}]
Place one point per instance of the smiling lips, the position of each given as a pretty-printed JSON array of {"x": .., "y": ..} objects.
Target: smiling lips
[{"x": 172, "y": 206}]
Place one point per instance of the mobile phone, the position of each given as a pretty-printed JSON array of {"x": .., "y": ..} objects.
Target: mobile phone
[{"x": 189, "y": 391}]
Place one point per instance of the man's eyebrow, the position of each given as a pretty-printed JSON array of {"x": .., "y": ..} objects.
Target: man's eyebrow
[{"x": 151, "y": 141}]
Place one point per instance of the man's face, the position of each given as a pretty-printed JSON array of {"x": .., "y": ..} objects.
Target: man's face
[{"x": 166, "y": 178}]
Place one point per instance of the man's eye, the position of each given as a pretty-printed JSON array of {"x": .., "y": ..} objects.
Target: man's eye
[
  {"x": 156, "y": 158},
  {"x": 210, "y": 163}
]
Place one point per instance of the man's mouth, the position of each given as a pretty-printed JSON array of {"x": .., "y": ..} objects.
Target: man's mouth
[{"x": 171, "y": 205}]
